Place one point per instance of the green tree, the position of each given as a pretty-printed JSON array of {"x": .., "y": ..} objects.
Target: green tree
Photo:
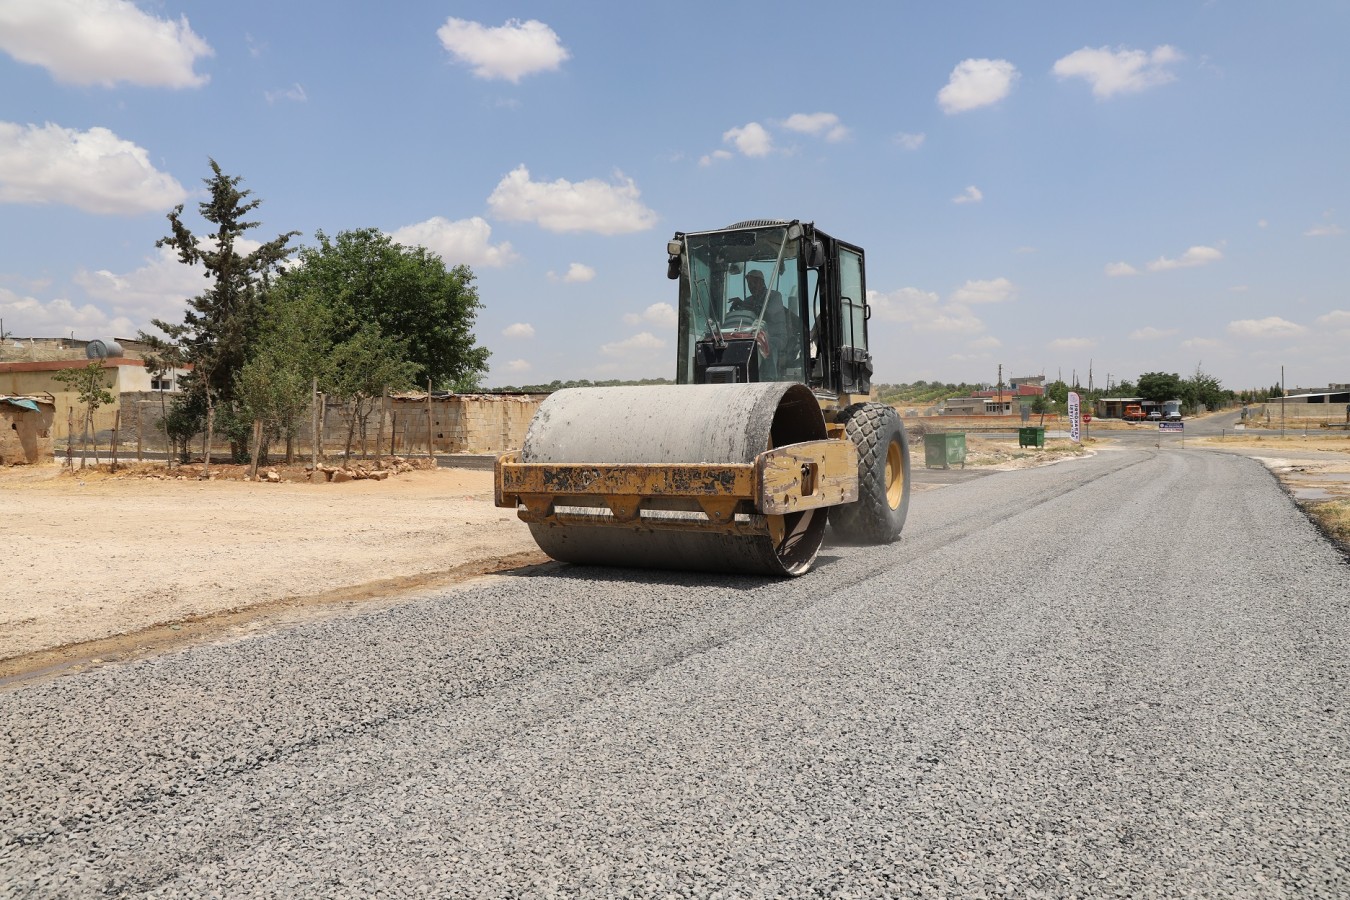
[
  {"x": 222, "y": 322},
  {"x": 90, "y": 387},
  {"x": 1202, "y": 389},
  {"x": 1057, "y": 391},
  {"x": 163, "y": 358},
  {"x": 362, "y": 369},
  {"x": 1159, "y": 386},
  {"x": 406, "y": 292}
]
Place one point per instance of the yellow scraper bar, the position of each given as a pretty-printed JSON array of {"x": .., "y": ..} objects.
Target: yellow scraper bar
[{"x": 787, "y": 479}]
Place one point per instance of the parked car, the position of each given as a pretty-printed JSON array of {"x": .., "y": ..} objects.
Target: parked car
[
  {"x": 1172, "y": 416},
  {"x": 1153, "y": 415},
  {"x": 1134, "y": 413}
]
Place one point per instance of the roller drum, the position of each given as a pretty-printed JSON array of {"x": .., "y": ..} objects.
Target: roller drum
[{"x": 709, "y": 424}]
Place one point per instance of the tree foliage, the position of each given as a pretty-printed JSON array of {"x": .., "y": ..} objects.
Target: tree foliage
[
  {"x": 1159, "y": 386},
  {"x": 406, "y": 293},
  {"x": 90, "y": 386},
  {"x": 222, "y": 323}
]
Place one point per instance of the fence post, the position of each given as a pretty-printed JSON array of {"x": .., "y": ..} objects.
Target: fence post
[
  {"x": 431, "y": 450},
  {"x": 116, "y": 435},
  {"x": 314, "y": 435}
]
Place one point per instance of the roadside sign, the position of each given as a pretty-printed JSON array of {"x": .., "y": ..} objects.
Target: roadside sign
[
  {"x": 1074, "y": 418},
  {"x": 1173, "y": 427}
]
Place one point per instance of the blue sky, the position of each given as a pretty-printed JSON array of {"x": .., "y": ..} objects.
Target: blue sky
[{"x": 1135, "y": 187}]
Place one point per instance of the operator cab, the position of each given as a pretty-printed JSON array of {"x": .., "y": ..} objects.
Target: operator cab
[{"x": 771, "y": 301}]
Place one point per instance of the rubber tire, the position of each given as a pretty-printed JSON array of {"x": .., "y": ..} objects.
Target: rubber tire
[{"x": 876, "y": 517}]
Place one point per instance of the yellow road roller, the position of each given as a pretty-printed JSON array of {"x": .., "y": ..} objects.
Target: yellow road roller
[{"x": 767, "y": 434}]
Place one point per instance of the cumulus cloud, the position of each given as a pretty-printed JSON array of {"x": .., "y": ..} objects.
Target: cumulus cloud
[
  {"x": 1149, "y": 333},
  {"x": 1336, "y": 320},
  {"x": 910, "y": 141},
  {"x": 1119, "y": 71},
  {"x": 466, "y": 241},
  {"x": 1327, "y": 229},
  {"x": 1072, "y": 343},
  {"x": 971, "y": 194},
  {"x": 639, "y": 345},
  {"x": 27, "y": 316},
  {"x": 661, "y": 314},
  {"x": 1201, "y": 344},
  {"x": 519, "y": 331},
  {"x": 509, "y": 52},
  {"x": 821, "y": 124},
  {"x": 924, "y": 311},
  {"x": 93, "y": 170},
  {"x": 562, "y": 206},
  {"x": 715, "y": 156},
  {"x": 158, "y": 289},
  {"x": 751, "y": 139},
  {"x": 102, "y": 42},
  {"x": 1120, "y": 270},
  {"x": 1195, "y": 256},
  {"x": 994, "y": 290},
  {"x": 577, "y": 273},
  {"x": 518, "y": 367},
  {"x": 975, "y": 83},
  {"x": 1269, "y": 327},
  {"x": 988, "y": 342}
]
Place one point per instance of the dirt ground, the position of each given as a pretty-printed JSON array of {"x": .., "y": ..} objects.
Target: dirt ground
[{"x": 93, "y": 556}]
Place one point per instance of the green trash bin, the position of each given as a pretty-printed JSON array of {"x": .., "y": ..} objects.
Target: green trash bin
[
  {"x": 1031, "y": 437},
  {"x": 942, "y": 451}
]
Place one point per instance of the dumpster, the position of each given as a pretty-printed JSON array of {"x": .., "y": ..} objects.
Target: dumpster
[
  {"x": 1031, "y": 437},
  {"x": 942, "y": 451}
]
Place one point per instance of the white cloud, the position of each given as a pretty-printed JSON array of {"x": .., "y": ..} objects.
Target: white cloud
[
  {"x": 518, "y": 367},
  {"x": 1201, "y": 344},
  {"x": 975, "y": 83},
  {"x": 101, "y": 42},
  {"x": 577, "y": 273},
  {"x": 1195, "y": 256},
  {"x": 1120, "y": 270},
  {"x": 1119, "y": 71},
  {"x": 562, "y": 206},
  {"x": 994, "y": 290},
  {"x": 1336, "y": 320},
  {"x": 637, "y": 346},
  {"x": 1262, "y": 223},
  {"x": 295, "y": 93},
  {"x": 820, "y": 124},
  {"x": 519, "y": 331},
  {"x": 463, "y": 242},
  {"x": 924, "y": 311},
  {"x": 971, "y": 194},
  {"x": 29, "y": 317},
  {"x": 1269, "y": 327},
  {"x": 1329, "y": 229},
  {"x": 1072, "y": 343},
  {"x": 509, "y": 52},
  {"x": 988, "y": 342},
  {"x": 1149, "y": 333},
  {"x": 93, "y": 170},
  {"x": 751, "y": 139},
  {"x": 662, "y": 314},
  {"x": 910, "y": 141},
  {"x": 157, "y": 290},
  {"x": 715, "y": 156}
]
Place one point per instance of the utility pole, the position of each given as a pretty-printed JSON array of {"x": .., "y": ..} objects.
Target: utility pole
[{"x": 1282, "y": 393}]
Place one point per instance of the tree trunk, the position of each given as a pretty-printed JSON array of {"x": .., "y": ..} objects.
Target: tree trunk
[
  {"x": 210, "y": 435},
  {"x": 257, "y": 449}
]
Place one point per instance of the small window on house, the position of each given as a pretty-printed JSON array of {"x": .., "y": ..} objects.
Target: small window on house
[{"x": 161, "y": 384}]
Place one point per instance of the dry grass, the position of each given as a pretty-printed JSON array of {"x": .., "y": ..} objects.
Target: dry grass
[{"x": 1333, "y": 517}]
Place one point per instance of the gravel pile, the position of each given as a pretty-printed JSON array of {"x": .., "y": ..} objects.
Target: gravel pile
[{"x": 1122, "y": 676}]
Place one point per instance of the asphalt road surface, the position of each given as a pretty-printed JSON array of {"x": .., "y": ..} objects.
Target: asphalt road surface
[{"x": 1119, "y": 676}]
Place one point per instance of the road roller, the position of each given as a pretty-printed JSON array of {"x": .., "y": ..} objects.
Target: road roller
[{"x": 767, "y": 434}]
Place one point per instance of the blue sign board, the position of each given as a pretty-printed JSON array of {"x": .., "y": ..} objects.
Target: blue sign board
[{"x": 1175, "y": 427}]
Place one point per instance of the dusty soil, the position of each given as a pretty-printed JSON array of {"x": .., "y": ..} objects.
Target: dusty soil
[
  {"x": 93, "y": 556},
  {"x": 106, "y": 566}
]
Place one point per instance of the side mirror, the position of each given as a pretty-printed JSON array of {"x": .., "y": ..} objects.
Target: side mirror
[
  {"x": 673, "y": 268},
  {"x": 815, "y": 255}
]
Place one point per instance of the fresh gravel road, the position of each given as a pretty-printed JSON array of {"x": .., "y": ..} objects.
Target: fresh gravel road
[{"x": 1118, "y": 676}]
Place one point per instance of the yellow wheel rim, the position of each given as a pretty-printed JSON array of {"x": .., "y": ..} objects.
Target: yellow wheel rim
[{"x": 895, "y": 475}]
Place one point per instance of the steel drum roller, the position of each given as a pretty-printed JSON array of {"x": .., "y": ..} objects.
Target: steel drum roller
[{"x": 710, "y": 424}]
